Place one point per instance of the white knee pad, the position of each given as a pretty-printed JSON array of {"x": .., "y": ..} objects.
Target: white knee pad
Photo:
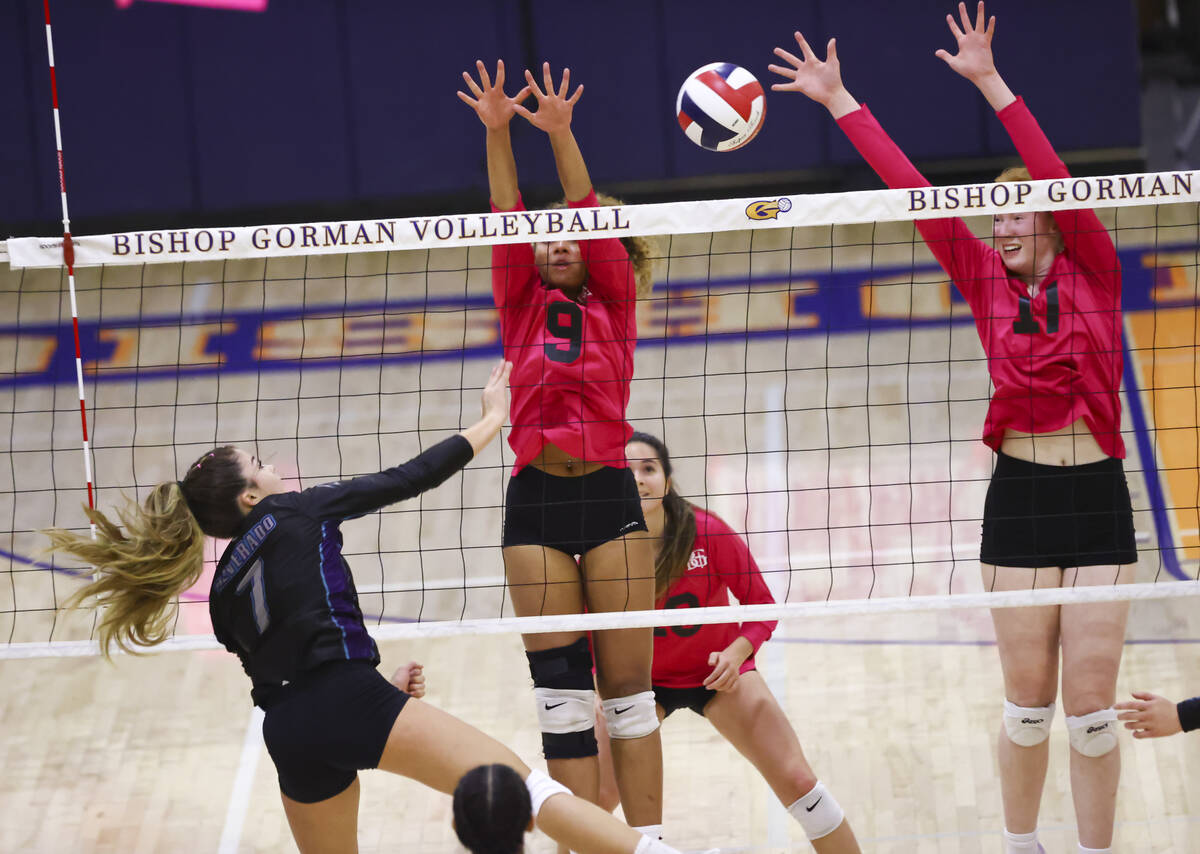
[
  {"x": 1095, "y": 734},
  {"x": 632, "y": 716},
  {"x": 541, "y": 787},
  {"x": 562, "y": 710},
  {"x": 1027, "y": 726},
  {"x": 818, "y": 813}
]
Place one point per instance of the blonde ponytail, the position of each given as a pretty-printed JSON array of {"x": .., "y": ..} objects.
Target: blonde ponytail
[{"x": 140, "y": 571}]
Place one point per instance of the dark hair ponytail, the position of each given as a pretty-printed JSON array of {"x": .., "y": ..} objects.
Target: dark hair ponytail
[
  {"x": 492, "y": 810},
  {"x": 679, "y": 528}
]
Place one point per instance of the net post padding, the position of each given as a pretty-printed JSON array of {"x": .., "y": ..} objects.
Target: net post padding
[{"x": 685, "y": 616}]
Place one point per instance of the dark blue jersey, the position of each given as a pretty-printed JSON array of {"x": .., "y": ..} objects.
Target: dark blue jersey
[{"x": 283, "y": 598}]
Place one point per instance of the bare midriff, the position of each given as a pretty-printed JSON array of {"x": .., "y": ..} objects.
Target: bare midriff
[
  {"x": 1073, "y": 445},
  {"x": 553, "y": 460}
]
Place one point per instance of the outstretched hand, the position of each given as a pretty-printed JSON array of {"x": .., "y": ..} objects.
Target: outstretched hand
[
  {"x": 494, "y": 108},
  {"x": 495, "y": 393},
  {"x": 1149, "y": 715},
  {"x": 974, "y": 58},
  {"x": 819, "y": 80},
  {"x": 554, "y": 107}
]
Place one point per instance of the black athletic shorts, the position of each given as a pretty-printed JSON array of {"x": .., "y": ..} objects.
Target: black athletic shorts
[
  {"x": 324, "y": 726},
  {"x": 678, "y": 698},
  {"x": 672, "y": 699},
  {"x": 1066, "y": 516},
  {"x": 571, "y": 514}
]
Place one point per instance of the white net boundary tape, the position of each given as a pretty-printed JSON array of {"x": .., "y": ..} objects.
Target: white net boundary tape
[
  {"x": 684, "y": 616},
  {"x": 477, "y": 229}
]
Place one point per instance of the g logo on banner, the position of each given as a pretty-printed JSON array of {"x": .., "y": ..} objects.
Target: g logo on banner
[{"x": 768, "y": 208}]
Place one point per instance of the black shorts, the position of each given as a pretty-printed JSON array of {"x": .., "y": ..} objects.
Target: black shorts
[
  {"x": 324, "y": 726},
  {"x": 1066, "y": 516},
  {"x": 677, "y": 698},
  {"x": 571, "y": 514}
]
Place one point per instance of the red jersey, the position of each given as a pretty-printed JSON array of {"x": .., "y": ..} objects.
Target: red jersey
[
  {"x": 1055, "y": 358},
  {"x": 572, "y": 361},
  {"x": 720, "y": 562}
]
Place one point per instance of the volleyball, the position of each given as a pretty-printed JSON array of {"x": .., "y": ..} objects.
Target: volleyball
[{"x": 720, "y": 106}]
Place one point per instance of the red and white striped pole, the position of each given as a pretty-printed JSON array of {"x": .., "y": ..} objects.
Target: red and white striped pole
[{"x": 69, "y": 260}]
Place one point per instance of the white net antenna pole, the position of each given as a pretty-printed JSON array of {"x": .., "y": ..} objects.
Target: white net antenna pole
[{"x": 68, "y": 255}]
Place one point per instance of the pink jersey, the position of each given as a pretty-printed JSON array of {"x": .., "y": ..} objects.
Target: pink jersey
[
  {"x": 572, "y": 361},
  {"x": 1055, "y": 358},
  {"x": 720, "y": 562}
]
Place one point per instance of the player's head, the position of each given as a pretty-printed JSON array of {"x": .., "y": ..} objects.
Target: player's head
[
  {"x": 650, "y": 462},
  {"x": 211, "y": 488},
  {"x": 1027, "y": 241},
  {"x": 260, "y": 480},
  {"x": 492, "y": 810},
  {"x": 640, "y": 249},
  {"x": 223, "y": 485},
  {"x": 560, "y": 263}
]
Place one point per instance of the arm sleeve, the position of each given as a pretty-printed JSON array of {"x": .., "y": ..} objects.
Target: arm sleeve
[
  {"x": 513, "y": 272},
  {"x": 1085, "y": 237},
  {"x": 742, "y": 576},
  {"x": 345, "y": 499},
  {"x": 610, "y": 272},
  {"x": 961, "y": 254},
  {"x": 1189, "y": 714}
]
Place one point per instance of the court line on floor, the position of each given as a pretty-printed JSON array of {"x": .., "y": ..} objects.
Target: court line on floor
[{"x": 243, "y": 781}]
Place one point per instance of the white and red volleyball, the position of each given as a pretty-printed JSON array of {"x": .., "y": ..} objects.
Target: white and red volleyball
[{"x": 720, "y": 106}]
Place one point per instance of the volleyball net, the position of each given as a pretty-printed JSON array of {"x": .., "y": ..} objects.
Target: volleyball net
[{"x": 818, "y": 381}]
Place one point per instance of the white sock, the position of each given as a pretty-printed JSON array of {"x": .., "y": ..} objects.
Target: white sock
[
  {"x": 1020, "y": 843},
  {"x": 1085, "y": 850},
  {"x": 647, "y": 845},
  {"x": 654, "y": 831}
]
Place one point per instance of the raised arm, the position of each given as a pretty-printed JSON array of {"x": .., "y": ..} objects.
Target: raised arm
[
  {"x": 360, "y": 495},
  {"x": 495, "y": 110},
  {"x": 974, "y": 59},
  {"x": 610, "y": 274},
  {"x": 959, "y": 252},
  {"x": 1085, "y": 237},
  {"x": 554, "y": 111}
]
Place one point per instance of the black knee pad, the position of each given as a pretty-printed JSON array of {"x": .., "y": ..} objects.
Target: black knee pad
[
  {"x": 566, "y": 697},
  {"x": 563, "y": 667}
]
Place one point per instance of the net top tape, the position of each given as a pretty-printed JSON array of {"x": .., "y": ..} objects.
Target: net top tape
[
  {"x": 685, "y": 616},
  {"x": 720, "y": 215}
]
